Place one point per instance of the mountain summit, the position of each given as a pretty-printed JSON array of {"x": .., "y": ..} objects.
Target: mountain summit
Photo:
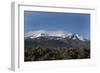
[
  {"x": 60, "y": 34},
  {"x": 56, "y": 39}
]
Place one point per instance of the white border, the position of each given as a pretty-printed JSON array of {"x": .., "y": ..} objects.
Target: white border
[{"x": 18, "y": 32}]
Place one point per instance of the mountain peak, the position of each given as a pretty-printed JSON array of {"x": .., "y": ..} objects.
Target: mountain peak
[
  {"x": 42, "y": 33},
  {"x": 77, "y": 36}
]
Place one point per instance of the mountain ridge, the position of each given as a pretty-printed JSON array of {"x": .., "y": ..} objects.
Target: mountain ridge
[
  {"x": 59, "y": 40},
  {"x": 35, "y": 34}
]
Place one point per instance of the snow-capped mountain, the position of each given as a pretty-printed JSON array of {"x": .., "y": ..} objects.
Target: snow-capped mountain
[
  {"x": 54, "y": 39},
  {"x": 42, "y": 33},
  {"x": 57, "y": 34}
]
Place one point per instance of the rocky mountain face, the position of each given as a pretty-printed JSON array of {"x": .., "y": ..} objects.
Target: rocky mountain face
[{"x": 55, "y": 39}]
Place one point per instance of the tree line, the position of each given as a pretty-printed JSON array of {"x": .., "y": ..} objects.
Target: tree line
[{"x": 42, "y": 54}]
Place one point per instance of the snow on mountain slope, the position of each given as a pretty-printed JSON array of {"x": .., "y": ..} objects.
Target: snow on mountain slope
[{"x": 42, "y": 33}]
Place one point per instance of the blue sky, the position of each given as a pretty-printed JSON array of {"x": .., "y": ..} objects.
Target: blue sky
[{"x": 54, "y": 21}]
